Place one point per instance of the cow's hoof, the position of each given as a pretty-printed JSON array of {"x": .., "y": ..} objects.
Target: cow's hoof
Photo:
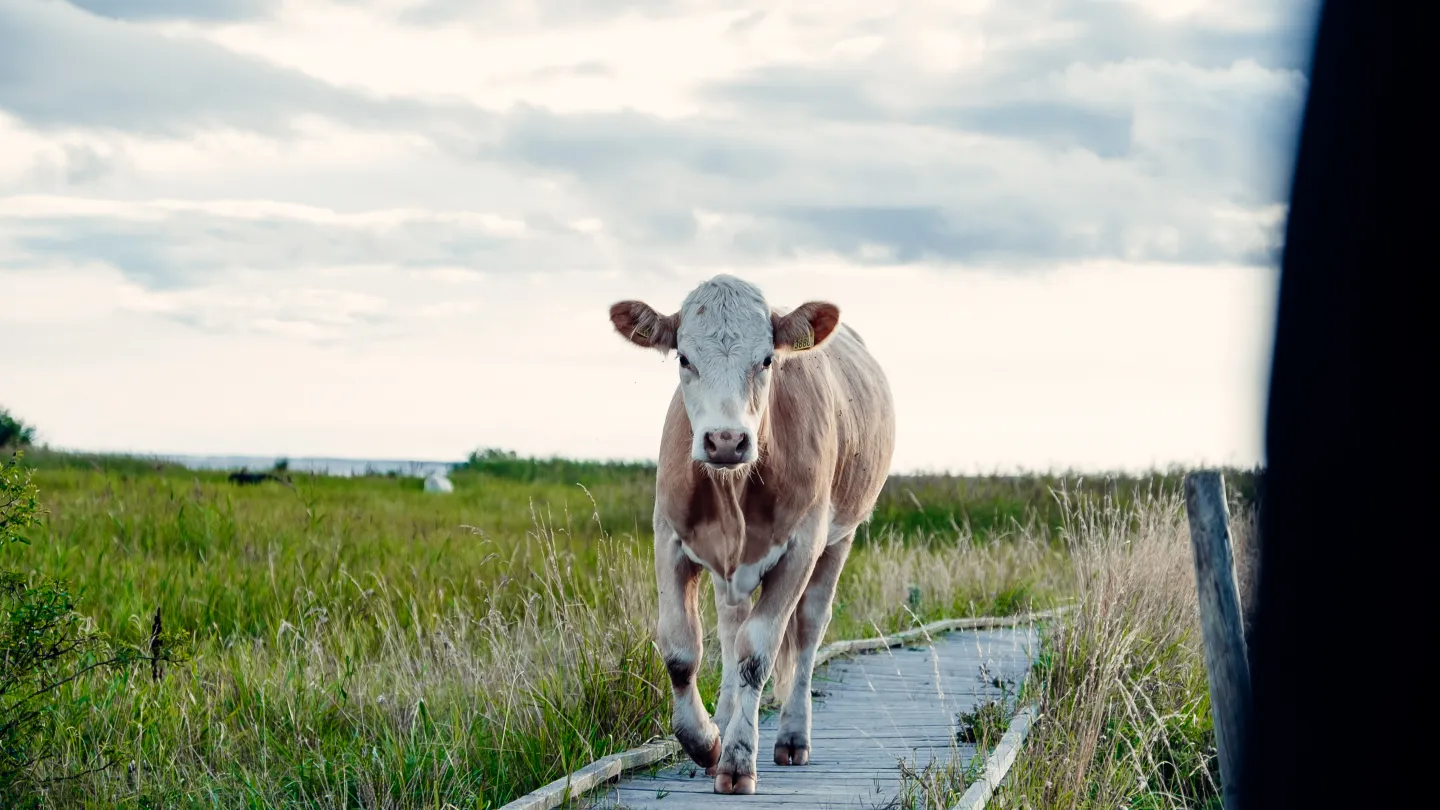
[
  {"x": 706, "y": 756},
  {"x": 714, "y": 766},
  {"x": 709, "y": 759},
  {"x": 791, "y": 754},
  {"x": 737, "y": 784}
]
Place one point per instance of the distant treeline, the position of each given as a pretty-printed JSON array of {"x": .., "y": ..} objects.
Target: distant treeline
[{"x": 506, "y": 464}]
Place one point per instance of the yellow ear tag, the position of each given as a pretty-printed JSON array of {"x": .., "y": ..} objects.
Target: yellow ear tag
[
  {"x": 643, "y": 331},
  {"x": 805, "y": 342}
]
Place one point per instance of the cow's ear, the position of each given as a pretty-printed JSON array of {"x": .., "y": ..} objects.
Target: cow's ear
[
  {"x": 643, "y": 326},
  {"x": 808, "y": 326}
]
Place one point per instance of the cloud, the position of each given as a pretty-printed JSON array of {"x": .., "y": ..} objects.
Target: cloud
[
  {"x": 370, "y": 202},
  {"x": 551, "y": 13},
  {"x": 176, "y": 9},
  {"x": 61, "y": 67},
  {"x": 177, "y": 244},
  {"x": 898, "y": 190},
  {"x": 1009, "y": 135}
]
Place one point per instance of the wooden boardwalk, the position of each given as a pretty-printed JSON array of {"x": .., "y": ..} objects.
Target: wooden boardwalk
[{"x": 871, "y": 710}]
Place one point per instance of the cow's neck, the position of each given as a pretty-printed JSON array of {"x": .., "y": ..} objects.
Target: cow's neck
[
  {"x": 736, "y": 521},
  {"x": 731, "y": 518}
]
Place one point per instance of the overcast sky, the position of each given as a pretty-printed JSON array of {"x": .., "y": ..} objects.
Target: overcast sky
[{"x": 373, "y": 228}]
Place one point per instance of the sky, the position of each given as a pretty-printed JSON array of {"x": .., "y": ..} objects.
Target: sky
[{"x": 386, "y": 229}]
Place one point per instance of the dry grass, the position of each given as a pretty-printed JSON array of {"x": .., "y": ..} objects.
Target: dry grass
[
  {"x": 1120, "y": 684},
  {"x": 893, "y": 577},
  {"x": 1125, "y": 705}
]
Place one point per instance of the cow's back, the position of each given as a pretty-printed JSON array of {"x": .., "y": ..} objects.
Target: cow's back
[
  {"x": 865, "y": 426},
  {"x": 833, "y": 416}
]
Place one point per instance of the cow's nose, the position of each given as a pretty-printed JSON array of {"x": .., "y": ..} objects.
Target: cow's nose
[{"x": 726, "y": 446}]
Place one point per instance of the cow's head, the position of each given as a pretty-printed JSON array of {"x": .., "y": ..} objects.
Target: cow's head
[{"x": 729, "y": 344}]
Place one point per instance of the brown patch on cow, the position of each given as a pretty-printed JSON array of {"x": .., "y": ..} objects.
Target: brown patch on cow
[
  {"x": 704, "y": 505},
  {"x": 638, "y": 323},
  {"x": 807, "y": 327},
  {"x": 759, "y": 507}
]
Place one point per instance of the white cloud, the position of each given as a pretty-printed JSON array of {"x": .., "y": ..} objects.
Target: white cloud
[
  {"x": 1035, "y": 208},
  {"x": 51, "y": 207}
]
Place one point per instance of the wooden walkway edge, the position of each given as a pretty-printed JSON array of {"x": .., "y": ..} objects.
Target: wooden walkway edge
[
  {"x": 999, "y": 762},
  {"x": 609, "y": 768}
]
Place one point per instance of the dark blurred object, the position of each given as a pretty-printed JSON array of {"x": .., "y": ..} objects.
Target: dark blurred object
[
  {"x": 1340, "y": 668},
  {"x": 244, "y": 477}
]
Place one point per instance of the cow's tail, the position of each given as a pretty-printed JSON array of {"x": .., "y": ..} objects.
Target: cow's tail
[{"x": 785, "y": 659}]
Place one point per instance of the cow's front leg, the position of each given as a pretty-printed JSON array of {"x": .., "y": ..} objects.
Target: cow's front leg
[
  {"x": 756, "y": 645},
  {"x": 678, "y": 638},
  {"x": 730, "y": 619},
  {"x": 812, "y": 616}
]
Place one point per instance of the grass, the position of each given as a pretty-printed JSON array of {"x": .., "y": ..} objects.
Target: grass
[
  {"x": 1123, "y": 693},
  {"x": 361, "y": 643},
  {"x": 1120, "y": 684}
]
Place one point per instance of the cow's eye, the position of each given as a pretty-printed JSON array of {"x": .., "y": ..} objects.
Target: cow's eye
[
  {"x": 769, "y": 360},
  {"x": 684, "y": 361}
]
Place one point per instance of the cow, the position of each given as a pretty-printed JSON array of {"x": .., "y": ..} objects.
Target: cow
[{"x": 776, "y": 444}]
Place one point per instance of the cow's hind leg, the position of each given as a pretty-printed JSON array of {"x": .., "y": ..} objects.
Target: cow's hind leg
[
  {"x": 807, "y": 630},
  {"x": 678, "y": 638},
  {"x": 756, "y": 646}
]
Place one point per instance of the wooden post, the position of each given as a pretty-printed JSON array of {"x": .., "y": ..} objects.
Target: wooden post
[{"x": 1220, "y": 623}]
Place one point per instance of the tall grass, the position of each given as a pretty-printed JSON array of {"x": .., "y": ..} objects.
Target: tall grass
[
  {"x": 1124, "y": 705},
  {"x": 360, "y": 643},
  {"x": 996, "y": 504},
  {"x": 1124, "y": 702}
]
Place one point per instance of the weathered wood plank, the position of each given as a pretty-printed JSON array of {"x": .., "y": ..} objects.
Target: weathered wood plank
[
  {"x": 999, "y": 762},
  {"x": 1221, "y": 624},
  {"x": 859, "y": 734}
]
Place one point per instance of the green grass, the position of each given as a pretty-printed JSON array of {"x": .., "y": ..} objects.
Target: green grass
[{"x": 361, "y": 643}]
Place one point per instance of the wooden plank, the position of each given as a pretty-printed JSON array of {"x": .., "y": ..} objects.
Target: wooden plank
[
  {"x": 999, "y": 762},
  {"x": 880, "y": 704},
  {"x": 859, "y": 735},
  {"x": 1221, "y": 623},
  {"x": 596, "y": 773},
  {"x": 930, "y": 631}
]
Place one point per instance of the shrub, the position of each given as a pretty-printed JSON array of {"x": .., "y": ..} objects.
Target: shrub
[
  {"x": 45, "y": 644},
  {"x": 18, "y": 501},
  {"x": 14, "y": 432}
]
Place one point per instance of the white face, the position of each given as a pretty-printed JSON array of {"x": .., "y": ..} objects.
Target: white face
[{"x": 726, "y": 346}]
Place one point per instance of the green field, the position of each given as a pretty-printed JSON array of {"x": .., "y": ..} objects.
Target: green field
[{"x": 362, "y": 643}]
